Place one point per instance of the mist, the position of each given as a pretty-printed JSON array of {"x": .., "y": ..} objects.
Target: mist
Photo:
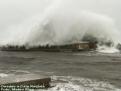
[{"x": 58, "y": 22}]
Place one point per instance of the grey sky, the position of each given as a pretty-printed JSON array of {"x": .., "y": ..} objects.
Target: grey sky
[{"x": 15, "y": 11}]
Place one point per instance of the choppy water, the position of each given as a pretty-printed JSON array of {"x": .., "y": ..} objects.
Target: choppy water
[{"x": 84, "y": 71}]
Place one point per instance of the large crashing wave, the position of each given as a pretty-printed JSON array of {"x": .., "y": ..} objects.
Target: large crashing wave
[{"x": 60, "y": 24}]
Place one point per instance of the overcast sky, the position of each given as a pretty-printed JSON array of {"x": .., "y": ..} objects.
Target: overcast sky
[{"x": 15, "y": 11}]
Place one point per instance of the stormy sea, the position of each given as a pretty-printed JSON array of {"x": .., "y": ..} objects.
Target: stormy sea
[
  {"x": 33, "y": 23},
  {"x": 85, "y": 71}
]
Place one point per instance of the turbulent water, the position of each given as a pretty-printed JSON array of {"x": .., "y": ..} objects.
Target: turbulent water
[
  {"x": 82, "y": 84},
  {"x": 85, "y": 71},
  {"x": 58, "y": 22}
]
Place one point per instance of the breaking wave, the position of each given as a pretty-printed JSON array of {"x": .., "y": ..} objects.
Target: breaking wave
[
  {"x": 63, "y": 22},
  {"x": 80, "y": 84}
]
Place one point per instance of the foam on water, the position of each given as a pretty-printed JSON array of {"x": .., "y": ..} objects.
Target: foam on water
[
  {"x": 2, "y": 75},
  {"x": 80, "y": 84},
  {"x": 105, "y": 49}
]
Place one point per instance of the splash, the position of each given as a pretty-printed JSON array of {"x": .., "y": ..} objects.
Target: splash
[
  {"x": 62, "y": 22},
  {"x": 80, "y": 84},
  {"x": 106, "y": 49}
]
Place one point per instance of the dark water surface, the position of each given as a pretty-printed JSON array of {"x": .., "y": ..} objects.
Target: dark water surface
[{"x": 102, "y": 67}]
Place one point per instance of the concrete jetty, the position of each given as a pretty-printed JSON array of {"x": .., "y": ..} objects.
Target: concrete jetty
[{"x": 24, "y": 82}]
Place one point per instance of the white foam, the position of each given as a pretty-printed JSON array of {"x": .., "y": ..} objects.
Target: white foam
[
  {"x": 105, "y": 49},
  {"x": 62, "y": 22},
  {"x": 81, "y": 84},
  {"x": 3, "y": 75}
]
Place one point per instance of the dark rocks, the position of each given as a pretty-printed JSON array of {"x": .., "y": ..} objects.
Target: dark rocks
[{"x": 81, "y": 46}]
